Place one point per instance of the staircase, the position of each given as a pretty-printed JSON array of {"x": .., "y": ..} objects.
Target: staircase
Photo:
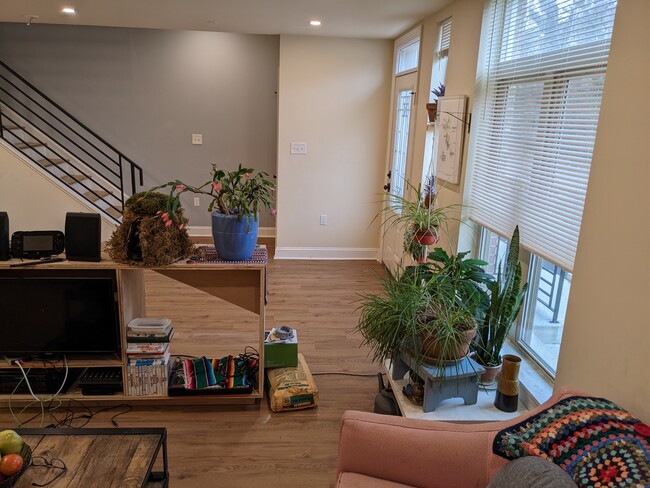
[{"x": 63, "y": 148}]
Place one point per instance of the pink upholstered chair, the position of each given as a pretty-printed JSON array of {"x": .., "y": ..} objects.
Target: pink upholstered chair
[{"x": 382, "y": 451}]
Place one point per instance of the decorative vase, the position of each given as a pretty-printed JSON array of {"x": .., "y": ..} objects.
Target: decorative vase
[
  {"x": 234, "y": 239},
  {"x": 507, "y": 396}
]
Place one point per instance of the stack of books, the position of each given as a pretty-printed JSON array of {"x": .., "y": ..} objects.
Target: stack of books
[{"x": 147, "y": 349}]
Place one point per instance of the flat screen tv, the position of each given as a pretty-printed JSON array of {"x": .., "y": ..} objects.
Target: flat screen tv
[{"x": 58, "y": 312}]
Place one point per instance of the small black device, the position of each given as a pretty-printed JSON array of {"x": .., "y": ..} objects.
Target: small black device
[
  {"x": 101, "y": 381},
  {"x": 42, "y": 380},
  {"x": 83, "y": 234},
  {"x": 37, "y": 243},
  {"x": 4, "y": 237}
]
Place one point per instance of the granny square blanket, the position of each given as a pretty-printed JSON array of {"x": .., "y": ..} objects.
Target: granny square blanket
[{"x": 595, "y": 441}]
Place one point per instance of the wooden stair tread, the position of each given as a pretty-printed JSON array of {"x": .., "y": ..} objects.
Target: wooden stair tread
[
  {"x": 96, "y": 195},
  {"x": 72, "y": 179},
  {"x": 114, "y": 213},
  {"x": 29, "y": 145},
  {"x": 13, "y": 127},
  {"x": 49, "y": 162}
]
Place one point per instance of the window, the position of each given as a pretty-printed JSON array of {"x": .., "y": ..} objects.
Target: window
[
  {"x": 540, "y": 332},
  {"x": 438, "y": 75},
  {"x": 407, "y": 52},
  {"x": 540, "y": 81}
]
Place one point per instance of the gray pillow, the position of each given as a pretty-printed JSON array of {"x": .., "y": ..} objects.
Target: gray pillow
[{"x": 532, "y": 472}]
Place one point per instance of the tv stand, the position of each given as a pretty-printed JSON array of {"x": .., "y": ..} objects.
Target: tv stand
[{"x": 241, "y": 284}]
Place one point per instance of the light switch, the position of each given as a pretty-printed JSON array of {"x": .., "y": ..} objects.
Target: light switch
[
  {"x": 197, "y": 202},
  {"x": 298, "y": 148},
  {"x": 197, "y": 138}
]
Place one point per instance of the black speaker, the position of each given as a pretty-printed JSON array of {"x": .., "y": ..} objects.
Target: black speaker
[
  {"x": 83, "y": 235},
  {"x": 4, "y": 236}
]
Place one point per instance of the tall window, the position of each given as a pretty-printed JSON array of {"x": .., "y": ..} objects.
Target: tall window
[
  {"x": 540, "y": 80},
  {"x": 442, "y": 54}
]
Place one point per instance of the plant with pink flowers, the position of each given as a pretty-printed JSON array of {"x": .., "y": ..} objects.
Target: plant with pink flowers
[{"x": 240, "y": 192}]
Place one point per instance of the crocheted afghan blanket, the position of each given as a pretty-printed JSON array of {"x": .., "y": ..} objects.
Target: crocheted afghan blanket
[{"x": 595, "y": 441}]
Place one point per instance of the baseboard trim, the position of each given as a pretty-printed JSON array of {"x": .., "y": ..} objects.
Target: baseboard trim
[
  {"x": 206, "y": 231},
  {"x": 333, "y": 253}
]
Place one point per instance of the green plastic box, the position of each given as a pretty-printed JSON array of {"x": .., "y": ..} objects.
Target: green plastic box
[{"x": 281, "y": 355}]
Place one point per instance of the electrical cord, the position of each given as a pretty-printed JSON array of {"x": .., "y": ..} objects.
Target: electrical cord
[{"x": 29, "y": 386}]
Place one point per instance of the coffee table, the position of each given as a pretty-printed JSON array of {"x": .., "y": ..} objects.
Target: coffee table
[{"x": 100, "y": 458}]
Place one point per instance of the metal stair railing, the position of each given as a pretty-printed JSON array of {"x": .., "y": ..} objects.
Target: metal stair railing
[{"x": 44, "y": 116}]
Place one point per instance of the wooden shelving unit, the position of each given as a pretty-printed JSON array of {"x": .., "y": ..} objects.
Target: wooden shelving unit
[{"x": 242, "y": 284}]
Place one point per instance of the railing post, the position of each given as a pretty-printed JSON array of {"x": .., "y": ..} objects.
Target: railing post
[
  {"x": 119, "y": 164},
  {"x": 132, "y": 180}
]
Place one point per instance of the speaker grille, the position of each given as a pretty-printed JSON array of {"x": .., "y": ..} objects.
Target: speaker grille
[{"x": 83, "y": 233}]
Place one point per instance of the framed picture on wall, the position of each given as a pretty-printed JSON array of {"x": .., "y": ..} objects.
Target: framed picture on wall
[{"x": 450, "y": 135}]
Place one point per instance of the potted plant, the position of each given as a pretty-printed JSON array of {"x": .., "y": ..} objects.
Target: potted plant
[
  {"x": 422, "y": 224},
  {"x": 506, "y": 298},
  {"x": 236, "y": 200},
  {"x": 432, "y": 108}
]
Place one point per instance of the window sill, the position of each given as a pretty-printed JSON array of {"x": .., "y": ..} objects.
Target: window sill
[{"x": 536, "y": 386}]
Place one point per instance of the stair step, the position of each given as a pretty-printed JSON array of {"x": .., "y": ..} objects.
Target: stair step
[
  {"x": 72, "y": 179},
  {"x": 113, "y": 212},
  {"x": 13, "y": 127},
  {"x": 29, "y": 145},
  {"x": 93, "y": 197},
  {"x": 52, "y": 162}
]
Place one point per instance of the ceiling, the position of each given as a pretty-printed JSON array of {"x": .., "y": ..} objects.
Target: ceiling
[{"x": 373, "y": 19}]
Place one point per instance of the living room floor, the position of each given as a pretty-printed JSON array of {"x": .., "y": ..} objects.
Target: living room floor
[{"x": 249, "y": 446}]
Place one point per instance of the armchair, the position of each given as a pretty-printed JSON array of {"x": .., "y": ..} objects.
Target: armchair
[{"x": 381, "y": 451}]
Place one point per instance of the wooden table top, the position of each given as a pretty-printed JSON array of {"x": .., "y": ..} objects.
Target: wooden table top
[{"x": 94, "y": 457}]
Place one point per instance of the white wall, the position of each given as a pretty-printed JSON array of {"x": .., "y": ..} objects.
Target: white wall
[
  {"x": 32, "y": 201},
  {"x": 606, "y": 342},
  {"x": 334, "y": 96}
]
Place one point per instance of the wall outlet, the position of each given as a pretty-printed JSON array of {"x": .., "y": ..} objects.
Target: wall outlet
[
  {"x": 197, "y": 138},
  {"x": 298, "y": 148},
  {"x": 197, "y": 202},
  {"x": 323, "y": 219}
]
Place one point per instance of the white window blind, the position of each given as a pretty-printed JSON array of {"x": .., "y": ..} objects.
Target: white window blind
[
  {"x": 540, "y": 82},
  {"x": 445, "y": 38}
]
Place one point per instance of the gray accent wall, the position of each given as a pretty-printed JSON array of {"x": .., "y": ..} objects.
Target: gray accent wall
[{"x": 147, "y": 91}]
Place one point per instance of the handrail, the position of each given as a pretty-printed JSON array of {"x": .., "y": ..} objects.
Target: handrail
[{"x": 71, "y": 131}]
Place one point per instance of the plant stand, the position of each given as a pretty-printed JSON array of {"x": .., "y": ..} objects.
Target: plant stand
[{"x": 459, "y": 380}]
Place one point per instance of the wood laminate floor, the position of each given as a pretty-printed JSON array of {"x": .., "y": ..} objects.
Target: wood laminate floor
[{"x": 230, "y": 446}]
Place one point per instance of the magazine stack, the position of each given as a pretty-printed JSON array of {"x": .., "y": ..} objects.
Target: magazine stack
[{"x": 147, "y": 348}]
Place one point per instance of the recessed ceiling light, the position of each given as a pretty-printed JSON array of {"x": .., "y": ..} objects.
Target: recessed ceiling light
[
  {"x": 212, "y": 22},
  {"x": 68, "y": 10},
  {"x": 314, "y": 22}
]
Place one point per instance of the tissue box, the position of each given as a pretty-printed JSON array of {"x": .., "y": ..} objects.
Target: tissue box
[{"x": 281, "y": 354}]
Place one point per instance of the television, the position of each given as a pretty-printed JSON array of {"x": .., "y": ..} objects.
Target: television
[{"x": 58, "y": 312}]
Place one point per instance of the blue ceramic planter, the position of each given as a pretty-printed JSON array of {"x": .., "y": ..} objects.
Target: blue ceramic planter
[{"x": 231, "y": 238}]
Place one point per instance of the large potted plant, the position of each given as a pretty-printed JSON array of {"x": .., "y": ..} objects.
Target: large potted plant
[
  {"x": 236, "y": 200},
  {"x": 506, "y": 298}
]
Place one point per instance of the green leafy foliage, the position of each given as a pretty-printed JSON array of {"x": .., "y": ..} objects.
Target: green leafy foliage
[
  {"x": 239, "y": 192},
  {"x": 506, "y": 298}
]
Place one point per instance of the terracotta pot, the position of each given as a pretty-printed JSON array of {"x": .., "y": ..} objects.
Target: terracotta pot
[
  {"x": 432, "y": 110},
  {"x": 432, "y": 353},
  {"x": 425, "y": 237},
  {"x": 490, "y": 375}
]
